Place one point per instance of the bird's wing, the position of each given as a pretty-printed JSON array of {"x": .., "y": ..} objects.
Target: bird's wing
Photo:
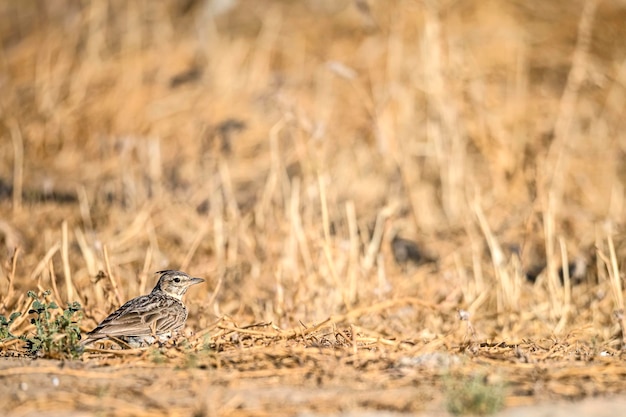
[{"x": 143, "y": 316}]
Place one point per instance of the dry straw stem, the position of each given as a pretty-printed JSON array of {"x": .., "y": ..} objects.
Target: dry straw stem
[
  {"x": 195, "y": 244},
  {"x": 69, "y": 286},
  {"x": 353, "y": 271},
  {"x": 566, "y": 298},
  {"x": 446, "y": 131},
  {"x": 615, "y": 285},
  {"x": 18, "y": 164},
  {"x": 111, "y": 278},
  {"x": 53, "y": 282},
  {"x": 565, "y": 140},
  {"x": 556, "y": 164},
  {"x": 11, "y": 278},
  {"x": 509, "y": 282},
  {"x": 300, "y": 240},
  {"x": 327, "y": 245},
  {"x": 43, "y": 263},
  {"x": 374, "y": 244}
]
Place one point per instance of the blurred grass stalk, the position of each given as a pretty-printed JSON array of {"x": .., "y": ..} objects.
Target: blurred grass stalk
[
  {"x": 615, "y": 284},
  {"x": 556, "y": 166}
]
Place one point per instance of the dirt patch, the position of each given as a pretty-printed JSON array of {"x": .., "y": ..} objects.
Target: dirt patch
[{"x": 274, "y": 375}]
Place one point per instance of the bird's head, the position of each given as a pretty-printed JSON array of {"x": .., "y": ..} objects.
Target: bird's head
[{"x": 175, "y": 283}]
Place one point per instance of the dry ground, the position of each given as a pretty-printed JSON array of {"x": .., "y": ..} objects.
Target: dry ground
[{"x": 277, "y": 148}]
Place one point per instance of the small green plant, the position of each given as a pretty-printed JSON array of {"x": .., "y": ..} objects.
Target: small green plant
[
  {"x": 157, "y": 356},
  {"x": 473, "y": 396},
  {"x": 54, "y": 337},
  {"x": 191, "y": 361},
  {"x": 5, "y": 326}
]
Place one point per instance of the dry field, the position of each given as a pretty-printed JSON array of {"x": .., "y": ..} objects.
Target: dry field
[{"x": 382, "y": 196}]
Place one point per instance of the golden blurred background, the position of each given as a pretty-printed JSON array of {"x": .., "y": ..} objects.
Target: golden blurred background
[{"x": 314, "y": 158}]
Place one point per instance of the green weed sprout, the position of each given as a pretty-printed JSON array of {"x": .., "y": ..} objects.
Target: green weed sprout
[
  {"x": 5, "y": 326},
  {"x": 473, "y": 396},
  {"x": 54, "y": 337}
]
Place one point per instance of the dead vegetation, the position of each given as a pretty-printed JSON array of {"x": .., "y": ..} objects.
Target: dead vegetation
[{"x": 381, "y": 195}]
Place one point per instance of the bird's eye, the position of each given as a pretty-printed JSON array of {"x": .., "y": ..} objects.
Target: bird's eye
[{"x": 176, "y": 279}]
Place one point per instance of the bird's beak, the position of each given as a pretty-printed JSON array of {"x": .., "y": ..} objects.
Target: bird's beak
[{"x": 195, "y": 281}]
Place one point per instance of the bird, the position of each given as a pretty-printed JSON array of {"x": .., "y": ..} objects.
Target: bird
[{"x": 157, "y": 316}]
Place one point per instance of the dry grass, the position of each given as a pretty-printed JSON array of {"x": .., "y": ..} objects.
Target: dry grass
[{"x": 276, "y": 148}]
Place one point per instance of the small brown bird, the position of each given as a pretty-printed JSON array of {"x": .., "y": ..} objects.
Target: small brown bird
[{"x": 159, "y": 315}]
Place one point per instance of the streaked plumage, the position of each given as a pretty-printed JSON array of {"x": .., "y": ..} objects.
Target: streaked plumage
[{"x": 158, "y": 315}]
